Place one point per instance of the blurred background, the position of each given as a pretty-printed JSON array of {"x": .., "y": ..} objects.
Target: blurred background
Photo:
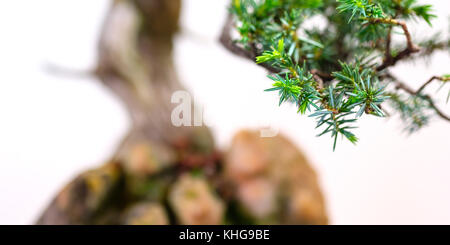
[{"x": 54, "y": 126}]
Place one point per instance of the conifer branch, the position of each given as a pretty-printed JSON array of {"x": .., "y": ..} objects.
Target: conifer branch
[
  {"x": 409, "y": 50},
  {"x": 403, "y": 86},
  {"x": 227, "y": 42},
  {"x": 442, "y": 79},
  {"x": 334, "y": 74}
]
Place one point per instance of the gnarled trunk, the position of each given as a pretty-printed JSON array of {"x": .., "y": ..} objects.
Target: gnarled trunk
[{"x": 135, "y": 62}]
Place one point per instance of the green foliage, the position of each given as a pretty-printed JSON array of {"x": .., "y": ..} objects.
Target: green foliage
[
  {"x": 362, "y": 88},
  {"x": 413, "y": 111},
  {"x": 366, "y": 9},
  {"x": 361, "y": 9},
  {"x": 410, "y": 9},
  {"x": 333, "y": 73},
  {"x": 335, "y": 117}
]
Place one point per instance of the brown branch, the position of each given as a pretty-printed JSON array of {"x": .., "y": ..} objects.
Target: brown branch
[
  {"x": 226, "y": 41},
  {"x": 325, "y": 76},
  {"x": 409, "y": 90},
  {"x": 388, "y": 54},
  {"x": 318, "y": 79},
  {"x": 408, "y": 51},
  {"x": 251, "y": 54},
  {"x": 427, "y": 51},
  {"x": 439, "y": 112},
  {"x": 442, "y": 79}
]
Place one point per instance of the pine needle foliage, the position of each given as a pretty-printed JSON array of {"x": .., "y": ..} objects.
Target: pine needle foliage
[{"x": 340, "y": 72}]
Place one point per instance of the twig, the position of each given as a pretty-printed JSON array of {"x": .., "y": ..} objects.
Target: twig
[
  {"x": 439, "y": 112},
  {"x": 388, "y": 54},
  {"x": 409, "y": 90},
  {"x": 443, "y": 79},
  {"x": 226, "y": 40},
  {"x": 410, "y": 49}
]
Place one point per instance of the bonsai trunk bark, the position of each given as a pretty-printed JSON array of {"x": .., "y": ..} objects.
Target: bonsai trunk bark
[{"x": 135, "y": 62}]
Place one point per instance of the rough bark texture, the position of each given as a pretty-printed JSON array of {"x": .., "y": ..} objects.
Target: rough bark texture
[{"x": 162, "y": 174}]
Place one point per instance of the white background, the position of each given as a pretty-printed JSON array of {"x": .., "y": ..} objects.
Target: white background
[{"x": 52, "y": 127}]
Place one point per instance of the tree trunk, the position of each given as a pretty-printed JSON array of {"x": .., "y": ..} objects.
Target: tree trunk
[{"x": 135, "y": 63}]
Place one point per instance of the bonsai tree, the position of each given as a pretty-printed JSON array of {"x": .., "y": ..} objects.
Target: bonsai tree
[
  {"x": 165, "y": 174},
  {"x": 340, "y": 72}
]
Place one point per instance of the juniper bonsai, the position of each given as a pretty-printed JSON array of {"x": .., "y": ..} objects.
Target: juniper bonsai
[
  {"x": 164, "y": 174},
  {"x": 340, "y": 72}
]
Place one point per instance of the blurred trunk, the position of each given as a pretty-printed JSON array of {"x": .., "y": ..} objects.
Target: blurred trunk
[{"x": 135, "y": 63}]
